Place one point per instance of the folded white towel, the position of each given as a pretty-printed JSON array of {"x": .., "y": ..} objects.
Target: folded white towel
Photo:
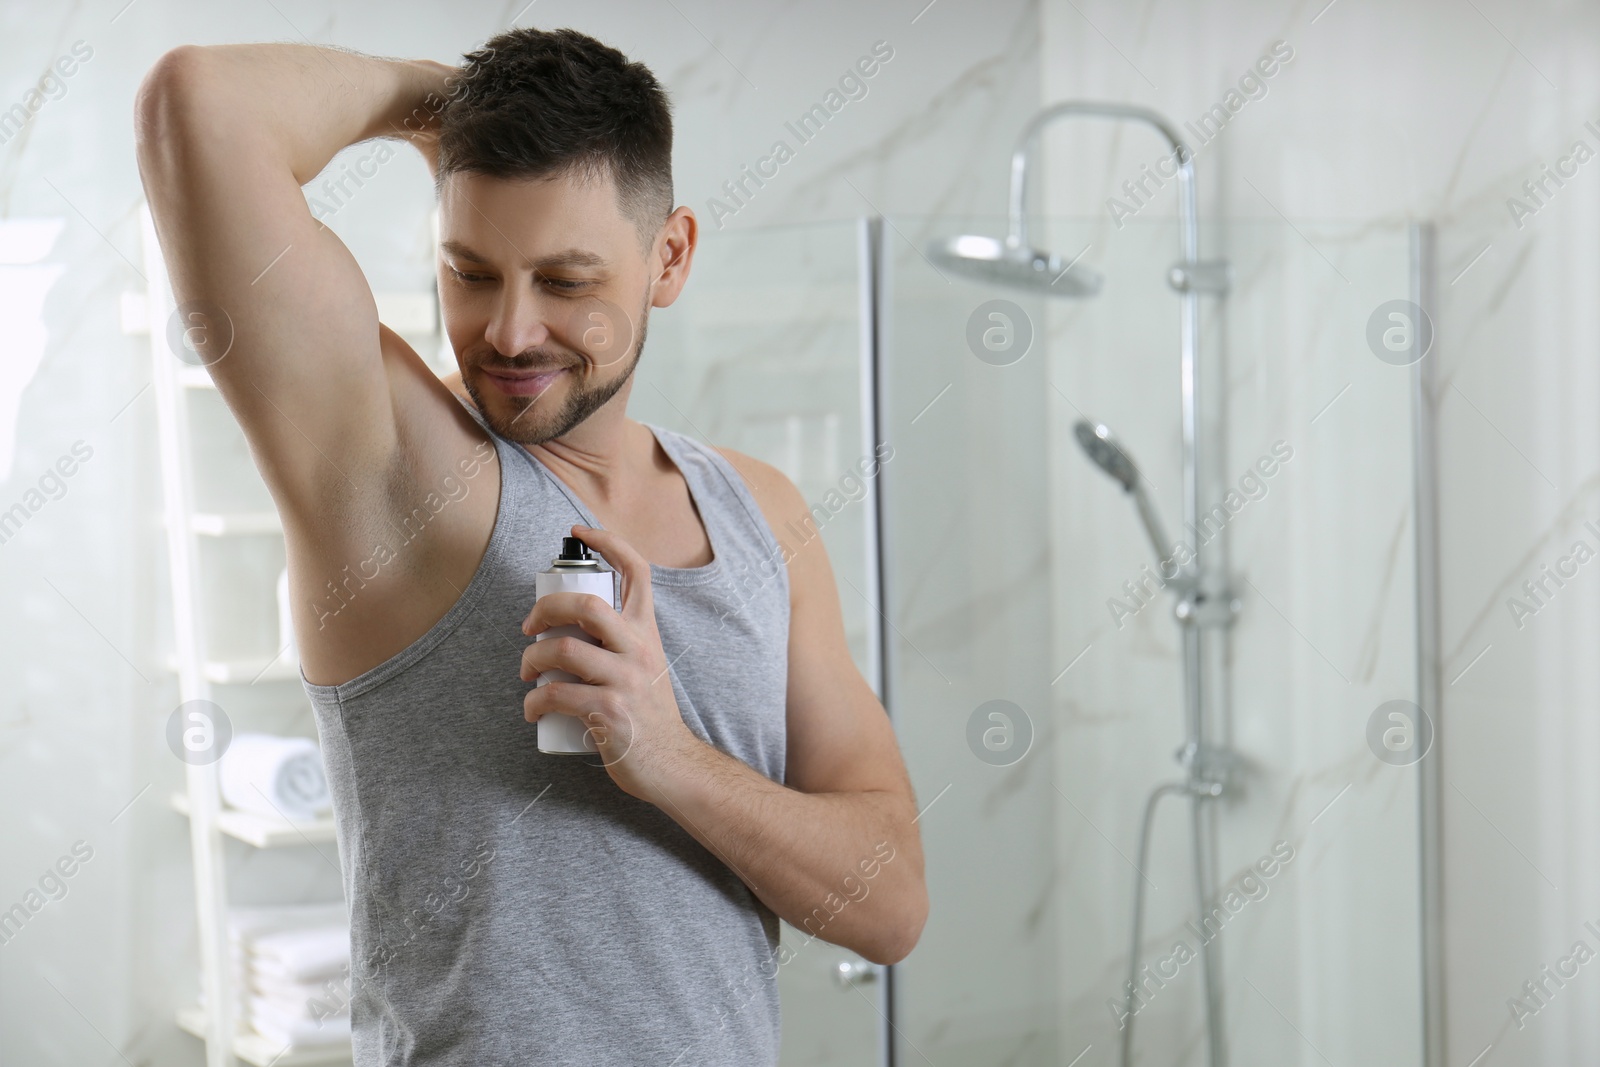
[
  {"x": 331, "y": 996},
  {"x": 270, "y": 775},
  {"x": 311, "y": 999},
  {"x": 249, "y": 921},
  {"x": 291, "y": 970},
  {"x": 302, "y": 955},
  {"x": 298, "y": 1030}
]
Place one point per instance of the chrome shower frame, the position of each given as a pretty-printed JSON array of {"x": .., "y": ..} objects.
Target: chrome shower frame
[{"x": 1204, "y": 599}]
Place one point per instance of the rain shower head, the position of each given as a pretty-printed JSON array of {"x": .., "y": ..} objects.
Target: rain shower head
[
  {"x": 1001, "y": 263},
  {"x": 1108, "y": 455}
]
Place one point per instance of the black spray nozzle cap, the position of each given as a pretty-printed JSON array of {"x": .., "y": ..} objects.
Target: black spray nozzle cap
[{"x": 572, "y": 548}]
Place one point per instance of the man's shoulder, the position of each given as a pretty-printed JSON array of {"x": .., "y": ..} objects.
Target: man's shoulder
[
  {"x": 777, "y": 495},
  {"x": 785, "y": 509}
]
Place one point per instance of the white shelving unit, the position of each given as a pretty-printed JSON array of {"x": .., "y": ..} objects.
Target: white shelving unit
[
  {"x": 255, "y": 1049},
  {"x": 203, "y": 789},
  {"x": 210, "y": 822},
  {"x": 414, "y": 315},
  {"x": 261, "y": 831}
]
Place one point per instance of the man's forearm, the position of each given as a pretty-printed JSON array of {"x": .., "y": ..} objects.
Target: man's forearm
[
  {"x": 846, "y": 867},
  {"x": 305, "y": 102}
]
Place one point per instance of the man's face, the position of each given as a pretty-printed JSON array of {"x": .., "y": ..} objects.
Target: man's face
[{"x": 545, "y": 290}]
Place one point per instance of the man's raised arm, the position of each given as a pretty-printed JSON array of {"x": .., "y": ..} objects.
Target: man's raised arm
[{"x": 226, "y": 137}]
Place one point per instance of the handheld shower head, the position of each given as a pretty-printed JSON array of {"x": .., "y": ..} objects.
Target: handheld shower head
[{"x": 1109, "y": 455}]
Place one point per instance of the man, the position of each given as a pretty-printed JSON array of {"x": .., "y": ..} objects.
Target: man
[{"x": 505, "y": 901}]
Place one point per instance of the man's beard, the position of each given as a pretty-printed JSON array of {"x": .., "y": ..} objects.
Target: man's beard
[{"x": 530, "y": 426}]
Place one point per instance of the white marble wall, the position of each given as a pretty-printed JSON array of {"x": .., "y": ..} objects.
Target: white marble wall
[{"x": 1385, "y": 114}]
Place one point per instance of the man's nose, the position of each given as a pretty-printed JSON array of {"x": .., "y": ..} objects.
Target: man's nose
[{"x": 516, "y": 324}]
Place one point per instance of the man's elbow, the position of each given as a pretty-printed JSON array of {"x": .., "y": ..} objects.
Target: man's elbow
[
  {"x": 165, "y": 98},
  {"x": 901, "y": 934}
]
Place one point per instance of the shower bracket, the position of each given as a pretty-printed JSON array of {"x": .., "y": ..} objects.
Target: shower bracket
[
  {"x": 1211, "y": 768},
  {"x": 1197, "y": 608},
  {"x": 1213, "y": 276}
]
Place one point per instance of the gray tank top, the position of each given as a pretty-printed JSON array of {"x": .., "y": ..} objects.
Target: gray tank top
[{"x": 511, "y": 907}]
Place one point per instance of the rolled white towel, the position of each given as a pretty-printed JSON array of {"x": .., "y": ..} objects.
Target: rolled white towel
[{"x": 278, "y": 776}]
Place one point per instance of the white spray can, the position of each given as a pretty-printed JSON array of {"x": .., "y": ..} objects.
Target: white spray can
[{"x": 574, "y": 571}]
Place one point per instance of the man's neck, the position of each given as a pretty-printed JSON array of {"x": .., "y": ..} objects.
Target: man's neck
[{"x": 607, "y": 459}]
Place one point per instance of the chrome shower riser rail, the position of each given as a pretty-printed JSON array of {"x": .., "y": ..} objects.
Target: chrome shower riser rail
[{"x": 1188, "y": 277}]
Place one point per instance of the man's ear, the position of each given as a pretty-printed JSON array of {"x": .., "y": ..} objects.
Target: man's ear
[{"x": 671, "y": 254}]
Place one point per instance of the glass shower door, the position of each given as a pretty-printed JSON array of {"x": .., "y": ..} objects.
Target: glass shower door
[{"x": 763, "y": 353}]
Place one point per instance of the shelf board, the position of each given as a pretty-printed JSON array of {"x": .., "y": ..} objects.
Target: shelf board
[
  {"x": 193, "y": 377},
  {"x": 255, "y": 1049},
  {"x": 247, "y": 671},
  {"x": 264, "y": 831},
  {"x": 235, "y": 524}
]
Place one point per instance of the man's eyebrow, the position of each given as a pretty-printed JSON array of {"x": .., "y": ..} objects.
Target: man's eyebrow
[{"x": 571, "y": 257}]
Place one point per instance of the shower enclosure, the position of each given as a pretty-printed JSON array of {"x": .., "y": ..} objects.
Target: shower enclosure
[
  {"x": 999, "y": 591},
  {"x": 1204, "y": 604}
]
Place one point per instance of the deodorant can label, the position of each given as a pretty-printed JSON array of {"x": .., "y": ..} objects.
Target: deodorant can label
[{"x": 564, "y": 734}]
